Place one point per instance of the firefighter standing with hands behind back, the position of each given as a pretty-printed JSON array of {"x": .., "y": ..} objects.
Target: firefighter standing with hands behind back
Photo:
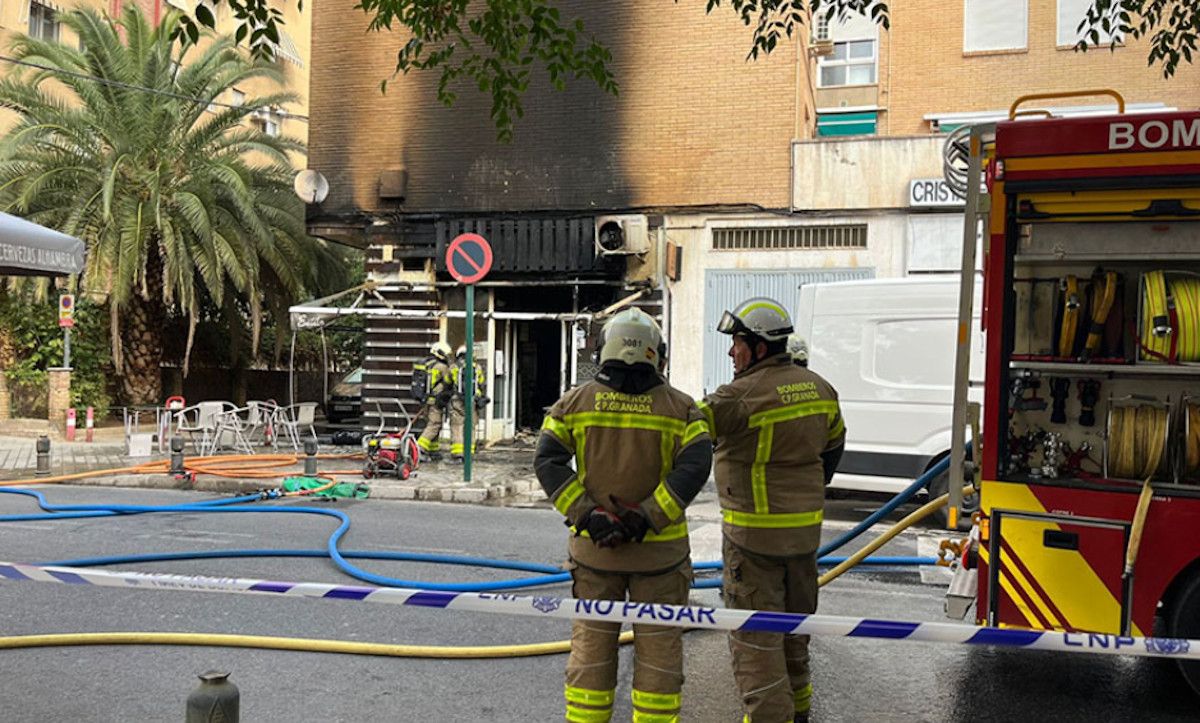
[
  {"x": 432, "y": 385},
  {"x": 779, "y": 436},
  {"x": 642, "y": 453}
]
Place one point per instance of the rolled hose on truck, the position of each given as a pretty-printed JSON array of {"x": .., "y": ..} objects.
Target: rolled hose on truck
[{"x": 551, "y": 574}]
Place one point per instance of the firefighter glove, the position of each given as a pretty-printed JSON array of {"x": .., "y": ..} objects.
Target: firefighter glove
[
  {"x": 603, "y": 527},
  {"x": 633, "y": 519}
]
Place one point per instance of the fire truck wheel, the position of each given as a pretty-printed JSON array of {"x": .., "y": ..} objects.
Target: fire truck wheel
[
  {"x": 1183, "y": 621},
  {"x": 937, "y": 488}
]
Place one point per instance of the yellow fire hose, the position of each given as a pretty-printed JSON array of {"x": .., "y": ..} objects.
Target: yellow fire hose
[
  {"x": 1137, "y": 440},
  {"x": 1070, "y": 317},
  {"x": 346, "y": 647}
]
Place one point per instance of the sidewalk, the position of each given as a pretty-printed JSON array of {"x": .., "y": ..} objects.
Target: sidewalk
[{"x": 500, "y": 476}]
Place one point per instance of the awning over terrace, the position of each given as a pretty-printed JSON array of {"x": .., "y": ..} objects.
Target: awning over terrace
[{"x": 27, "y": 249}]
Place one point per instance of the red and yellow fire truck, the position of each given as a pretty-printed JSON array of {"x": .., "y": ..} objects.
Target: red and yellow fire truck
[{"x": 1089, "y": 463}]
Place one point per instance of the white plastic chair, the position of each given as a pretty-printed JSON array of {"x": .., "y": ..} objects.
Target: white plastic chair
[
  {"x": 200, "y": 419},
  {"x": 235, "y": 423},
  {"x": 293, "y": 418},
  {"x": 263, "y": 418}
]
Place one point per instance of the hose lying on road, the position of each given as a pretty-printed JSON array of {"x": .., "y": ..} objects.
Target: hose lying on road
[
  {"x": 242, "y": 466},
  {"x": 263, "y": 466}
]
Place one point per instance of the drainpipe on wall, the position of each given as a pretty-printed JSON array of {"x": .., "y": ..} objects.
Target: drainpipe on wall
[{"x": 661, "y": 280}]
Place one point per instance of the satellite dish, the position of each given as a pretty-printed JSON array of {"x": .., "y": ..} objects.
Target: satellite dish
[{"x": 311, "y": 186}]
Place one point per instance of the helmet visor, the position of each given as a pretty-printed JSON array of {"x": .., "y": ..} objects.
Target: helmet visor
[{"x": 730, "y": 324}]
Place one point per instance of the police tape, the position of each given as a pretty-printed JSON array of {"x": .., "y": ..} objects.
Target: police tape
[{"x": 687, "y": 616}]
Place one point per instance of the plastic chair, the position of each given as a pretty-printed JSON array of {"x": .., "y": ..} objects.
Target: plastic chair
[
  {"x": 200, "y": 419},
  {"x": 291, "y": 419},
  {"x": 236, "y": 423},
  {"x": 264, "y": 416}
]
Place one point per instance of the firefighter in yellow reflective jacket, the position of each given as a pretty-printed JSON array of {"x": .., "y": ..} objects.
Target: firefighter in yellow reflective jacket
[
  {"x": 458, "y": 403},
  {"x": 779, "y": 436},
  {"x": 642, "y": 453},
  {"x": 432, "y": 383}
]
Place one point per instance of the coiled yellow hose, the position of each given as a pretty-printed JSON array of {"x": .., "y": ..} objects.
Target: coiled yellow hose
[
  {"x": 1184, "y": 336},
  {"x": 1136, "y": 440}
]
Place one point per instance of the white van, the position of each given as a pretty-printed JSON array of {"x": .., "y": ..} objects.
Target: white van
[{"x": 887, "y": 346}]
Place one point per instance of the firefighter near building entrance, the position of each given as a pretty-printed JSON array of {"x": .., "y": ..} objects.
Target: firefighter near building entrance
[
  {"x": 469, "y": 259},
  {"x": 1089, "y": 464}
]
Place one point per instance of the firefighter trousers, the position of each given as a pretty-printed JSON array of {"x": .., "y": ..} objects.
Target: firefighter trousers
[
  {"x": 458, "y": 419},
  {"x": 770, "y": 669},
  {"x": 657, "y": 649},
  {"x": 429, "y": 440}
]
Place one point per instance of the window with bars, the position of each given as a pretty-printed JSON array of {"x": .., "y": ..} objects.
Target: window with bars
[{"x": 768, "y": 238}]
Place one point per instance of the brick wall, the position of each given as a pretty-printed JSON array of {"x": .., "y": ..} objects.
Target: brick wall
[
  {"x": 930, "y": 72},
  {"x": 695, "y": 123}
]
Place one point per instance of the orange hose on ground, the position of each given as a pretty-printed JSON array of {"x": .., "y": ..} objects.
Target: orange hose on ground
[{"x": 241, "y": 466}]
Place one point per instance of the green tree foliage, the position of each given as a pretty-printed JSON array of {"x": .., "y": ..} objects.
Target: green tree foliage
[
  {"x": 496, "y": 44},
  {"x": 180, "y": 203},
  {"x": 35, "y": 341},
  {"x": 1171, "y": 26}
]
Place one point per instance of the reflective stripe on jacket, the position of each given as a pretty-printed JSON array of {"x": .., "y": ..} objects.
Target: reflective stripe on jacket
[
  {"x": 456, "y": 374},
  {"x": 440, "y": 377},
  {"x": 625, "y": 446},
  {"x": 771, "y": 424}
]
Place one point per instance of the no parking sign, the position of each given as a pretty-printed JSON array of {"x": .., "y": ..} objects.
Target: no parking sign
[
  {"x": 66, "y": 310},
  {"x": 469, "y": 258}
]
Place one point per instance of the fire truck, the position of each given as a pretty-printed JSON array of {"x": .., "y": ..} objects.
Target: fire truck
[{"x": 1086, "y": 451}]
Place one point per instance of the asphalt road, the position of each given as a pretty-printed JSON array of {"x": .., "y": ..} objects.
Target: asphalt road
[{"x": 855, "y": 680}]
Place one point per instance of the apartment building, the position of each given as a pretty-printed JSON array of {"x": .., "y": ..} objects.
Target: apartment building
[
  {"x": 695, "y": 134},
  {"x": 40, "y": 19},
  {"x": 885, "y": 101},
  {"x": 727, "y": 178}
]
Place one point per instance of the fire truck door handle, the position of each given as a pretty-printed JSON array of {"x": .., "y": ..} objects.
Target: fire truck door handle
[{"x": 1061, "y": 540}]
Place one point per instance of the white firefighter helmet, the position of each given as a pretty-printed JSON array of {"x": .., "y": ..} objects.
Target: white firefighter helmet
[
  {"x": 760, "y": 316},
  {"x": 633, "y": 337},
  {"x": 797, "y": 347},
  {"x": 461, "y": 352},
  {"x": 440, "y": 350}
]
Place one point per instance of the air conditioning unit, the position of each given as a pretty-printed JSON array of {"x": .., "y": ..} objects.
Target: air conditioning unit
[
  {"x": 622, "y": 235},
  {"x": 820, "y": 47},
  {"x": 262, "y": 114}
]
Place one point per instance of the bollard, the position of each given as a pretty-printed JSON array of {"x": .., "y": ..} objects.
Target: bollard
[
  {"x": 216, "y": 700},
  {"x": 43, "y": 456},
  {"x": 177, "y": 456},
  {"x": 310, "y": 457},
  {"x": 91, "y": 421},
  {"x": 71, "y": 424}
]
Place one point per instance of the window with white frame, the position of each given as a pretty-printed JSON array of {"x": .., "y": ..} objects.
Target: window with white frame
[
  {"x": 852, "y": 62},
  {"x": 1070, "y": 14},
  {"x": 43, "y": 22},
  {"x": 992, "y": 25}
]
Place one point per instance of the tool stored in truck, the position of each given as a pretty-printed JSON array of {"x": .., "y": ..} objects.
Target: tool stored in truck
[{"x": 1090, "y": 496}]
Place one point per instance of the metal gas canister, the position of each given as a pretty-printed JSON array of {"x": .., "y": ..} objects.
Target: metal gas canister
[{"x": 215, "y": 700}]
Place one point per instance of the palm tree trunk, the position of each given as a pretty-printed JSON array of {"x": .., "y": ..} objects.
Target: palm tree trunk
[
  {"x": 8, "y": 357},
  {"x": 142, "y": 324}
]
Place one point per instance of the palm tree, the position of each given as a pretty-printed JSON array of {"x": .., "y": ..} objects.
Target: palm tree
[{"x": 118, "y": 143}]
